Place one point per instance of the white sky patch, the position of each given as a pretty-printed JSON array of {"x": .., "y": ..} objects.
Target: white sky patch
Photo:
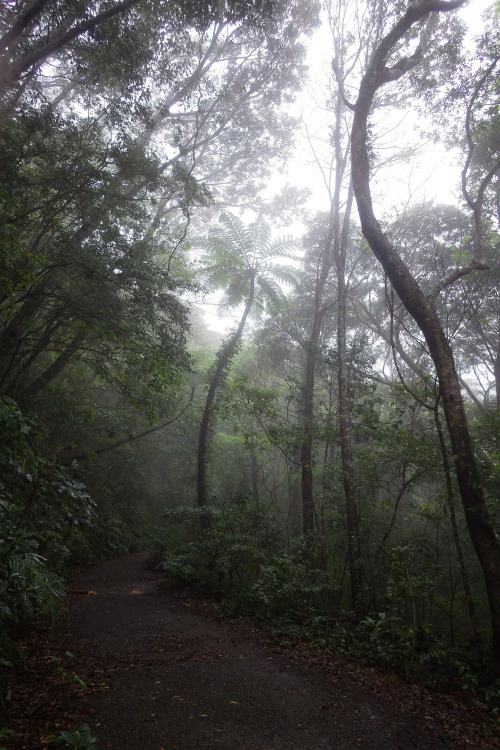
[{"x": 432, "y": 174}]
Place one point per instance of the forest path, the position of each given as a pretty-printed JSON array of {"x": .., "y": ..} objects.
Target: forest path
[{"x": 164, "y": 672}]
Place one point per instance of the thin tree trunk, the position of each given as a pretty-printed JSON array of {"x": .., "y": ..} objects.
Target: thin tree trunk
[
  {"x": 324, "y": 267},
  {"x": 352, "y": 514},
  {"x": 307, "y": 427},
  {"x": 223, "y": 360},
  {"x": 496, "y": 368}
]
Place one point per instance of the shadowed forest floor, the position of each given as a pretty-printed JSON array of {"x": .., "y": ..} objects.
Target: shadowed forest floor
[{"x": 163, "y": 671}]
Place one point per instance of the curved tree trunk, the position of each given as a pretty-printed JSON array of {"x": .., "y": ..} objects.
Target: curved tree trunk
[
  {"x": 423, "y": 311},
  {"x": 223, "y": 359}
]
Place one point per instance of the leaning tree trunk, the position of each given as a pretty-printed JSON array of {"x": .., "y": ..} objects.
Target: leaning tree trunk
[
  {"x": 29, "y": 393},
  {"x": 423, "y": 311},
  {"x": 223, "y": 359},
  {"x": 456, "y": 536}
]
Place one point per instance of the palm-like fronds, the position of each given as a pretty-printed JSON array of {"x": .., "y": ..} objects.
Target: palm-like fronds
[
  {"x": 282, "y": 273},
  {"x": 270, "y": 296},
  {"x": 237, "y": 253},
  {"x": 241, "y": 259},
  {"x": 282, "y": 247}
]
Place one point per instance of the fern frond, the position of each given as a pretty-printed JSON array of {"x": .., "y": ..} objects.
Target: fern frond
[
  {"x": 271, "y": 294},
  {"x": 285, "y": 274},
  {"x": 39, "y": 588},
  {"x": 283, "y": 247}
]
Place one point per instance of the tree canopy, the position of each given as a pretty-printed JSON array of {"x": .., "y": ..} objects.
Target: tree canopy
[{"x": 328, "y": 459}]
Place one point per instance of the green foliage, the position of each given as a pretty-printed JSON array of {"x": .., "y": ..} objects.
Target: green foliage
[
  {"x": 244, "y": 397},
  {"x": 488, "y": 427},
  {"x": 70, "y": 677},
  {"x": 219, "y": 549},
  {"x": 291, "y": 587},
  {"x": 43, "y": 509},
  {"x": 238, "y": 553},
  {"x": 112, "y": 535},
  {"x": 79, "y": 738},
  {"x": 4, "y": 735},
  {"x": 94, "y": 220},
  {"x": 239, "y": 256},
  {"x": 29, "y": 586}
]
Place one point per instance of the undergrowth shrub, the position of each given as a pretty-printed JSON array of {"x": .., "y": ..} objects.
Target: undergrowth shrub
[
  {"x": 44, "y": 511},
  {"x": 291, "y": 586},
  {"x": 237, "y": 553}
]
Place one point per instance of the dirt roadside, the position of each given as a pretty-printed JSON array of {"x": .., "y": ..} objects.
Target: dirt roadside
[{"x": 162, "y": 671}]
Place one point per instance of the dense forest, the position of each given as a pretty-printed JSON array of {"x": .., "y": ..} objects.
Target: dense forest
[{"x": 329, "y": 463}]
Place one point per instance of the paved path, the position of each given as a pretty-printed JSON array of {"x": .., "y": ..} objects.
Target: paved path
[{"x": 170, "y": 675}]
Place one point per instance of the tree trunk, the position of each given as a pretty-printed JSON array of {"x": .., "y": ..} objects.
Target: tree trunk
[
  {"x": 456, "y": 535},
  {"x": 352, "y": 514},
  {"x": 224, "y": 358},
  {"x": 55, "y": 368},
  {"x": 308, "y": 415},
  {"x": 324, "y": 267},
  {"x": 496, "y": 368},
  {"x": 423, "y": 312}
]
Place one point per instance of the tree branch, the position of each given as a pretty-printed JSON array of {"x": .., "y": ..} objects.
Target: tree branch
[
  {"x": 22, "y": 22},
  {"x": 446, "y": 281},
  {"x": 140, "y": 435},
  {"x": 340, "y": 84},
  {"x": 58, "y": 41}
]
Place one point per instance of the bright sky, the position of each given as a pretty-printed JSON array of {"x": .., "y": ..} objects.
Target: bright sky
[{"x": 434, "y": 175}]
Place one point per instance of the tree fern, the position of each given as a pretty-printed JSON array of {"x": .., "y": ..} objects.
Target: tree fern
[{"x": 241, "y": 260}]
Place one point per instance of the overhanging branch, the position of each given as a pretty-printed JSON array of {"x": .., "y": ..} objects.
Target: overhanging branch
[{"x": 446, "y": 281}]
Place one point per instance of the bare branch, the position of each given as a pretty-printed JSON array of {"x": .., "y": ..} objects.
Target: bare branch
[
  {"x": 449, "y": 279},
  {"x": 340, "y": 84}
]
